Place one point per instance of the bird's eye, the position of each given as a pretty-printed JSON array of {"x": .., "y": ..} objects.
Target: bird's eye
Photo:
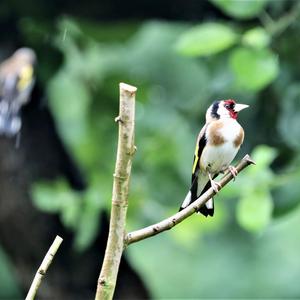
[{"x": 229, "y": 106}]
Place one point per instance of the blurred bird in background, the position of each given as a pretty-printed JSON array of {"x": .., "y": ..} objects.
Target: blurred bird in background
[
  {"x": 217, "y": 144},
  {"x": 16, "y": 83}
]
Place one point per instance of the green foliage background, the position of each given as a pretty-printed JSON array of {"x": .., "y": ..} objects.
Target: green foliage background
[{"x": 251, "y": 246}]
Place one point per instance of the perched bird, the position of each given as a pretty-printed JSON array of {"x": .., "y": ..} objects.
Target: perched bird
[
  {"x": 217, "y": 144},
  {"x": 16, "y": 83}
]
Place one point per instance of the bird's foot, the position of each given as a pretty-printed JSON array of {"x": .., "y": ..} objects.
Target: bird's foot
[
  {"x": 215, "y": 185},
  {"x": 234, "y": 172}
]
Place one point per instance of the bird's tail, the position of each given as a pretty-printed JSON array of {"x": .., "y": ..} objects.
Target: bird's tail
[
  {"x": 190, "y": 197},
  {"x": 208, "y": 208},
  {"x": 187, "y": 201}
]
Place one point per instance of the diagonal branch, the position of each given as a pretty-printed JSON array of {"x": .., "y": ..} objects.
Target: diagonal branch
[
  {"x": 43, "y": 268},
  {"x": 172, "y": 221}
]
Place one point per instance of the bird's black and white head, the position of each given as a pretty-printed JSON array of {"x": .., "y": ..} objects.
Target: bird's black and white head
[{"x": 224, "y": 109}]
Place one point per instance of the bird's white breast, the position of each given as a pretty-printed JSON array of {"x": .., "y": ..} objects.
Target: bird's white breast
[
  {"x": 218, "y": 157},
  {"x": 230, "y": 130}
]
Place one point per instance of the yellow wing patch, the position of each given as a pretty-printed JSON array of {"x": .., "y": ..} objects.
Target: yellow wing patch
[
  {"x": 25, "y": 77},
  {"x": 196, "y": 158}
]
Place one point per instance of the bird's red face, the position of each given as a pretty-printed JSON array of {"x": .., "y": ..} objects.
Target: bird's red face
[
  {"x": 230, "y": 105},
  {"x": 233, "y": 108}
]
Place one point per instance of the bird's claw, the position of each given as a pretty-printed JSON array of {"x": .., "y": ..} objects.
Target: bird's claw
[
  {"x": 216, "y": 186},
  {"x": 234, "y": 172}
]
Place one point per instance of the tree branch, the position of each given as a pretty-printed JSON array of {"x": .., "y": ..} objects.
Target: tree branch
[
  {"x": 276, "y": 27},
  {"x": 43, "y": 268},
  {"x": 115, "y": 244},
  {"x": 172, "y": 221}
]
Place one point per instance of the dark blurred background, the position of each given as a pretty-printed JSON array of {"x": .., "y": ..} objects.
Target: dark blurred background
[{"x": 182, "y": 55}]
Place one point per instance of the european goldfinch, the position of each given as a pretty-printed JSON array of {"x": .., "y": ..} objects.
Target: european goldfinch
[
  {"x": 217, "y": 144},
  {"x": 16, "y": 83}
]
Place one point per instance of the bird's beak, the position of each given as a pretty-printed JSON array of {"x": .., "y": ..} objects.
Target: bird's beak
[{"x": 239, "y": 107}]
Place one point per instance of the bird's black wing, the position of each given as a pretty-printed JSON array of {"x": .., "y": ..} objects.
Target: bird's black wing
[
  {"x": 201, "y": 143},
  {"x": 192, "y": 194}
]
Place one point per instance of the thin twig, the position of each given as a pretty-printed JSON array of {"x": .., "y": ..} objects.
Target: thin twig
[
  {"x": 275, "y": 28},
  {"x": 43, "y": 268},
  {"x": 172, "y": 221},
  {"x": 115, "y": 244}
]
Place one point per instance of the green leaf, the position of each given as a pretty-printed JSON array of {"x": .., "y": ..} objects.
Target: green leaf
[
  {"x": 69, "y": 102},
  {"x": 56, "y": 197},
  {"x": 256, "y": 37},
  {"x": 263, "y": 156},
  {"x": 206, "y": 39},
  {"x": 241, "y": 9},
  {"x": 88, "y": 223},
  {"x": 259, "y": 176},
  {"x": 254, "y": 210},
  {"x": 45, "y": 197},
  {"x": 254, "y": 69}
]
